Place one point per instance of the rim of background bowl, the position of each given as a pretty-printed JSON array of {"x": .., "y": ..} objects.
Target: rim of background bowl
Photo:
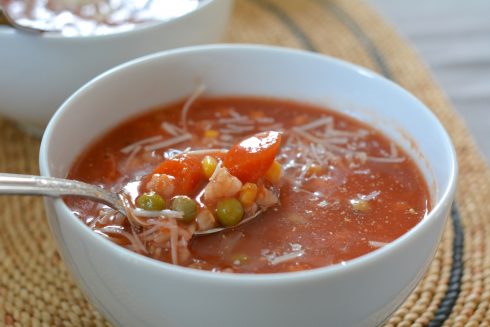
[
  {"x": 139, "y": 28},
  {"x": 267, "y": 278}
]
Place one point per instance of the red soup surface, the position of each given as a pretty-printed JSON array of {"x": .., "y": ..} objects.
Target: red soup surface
[{"x": 341, "y": 188}]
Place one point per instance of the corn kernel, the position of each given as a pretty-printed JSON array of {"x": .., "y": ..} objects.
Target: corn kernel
[
  {"x": 209, "y": 164},
  {"x": 248, "y": 194},
  {"x": 211, "y": 133},
  {"x": 274, "y": 172},
  {"x": 315, "y": 170}
]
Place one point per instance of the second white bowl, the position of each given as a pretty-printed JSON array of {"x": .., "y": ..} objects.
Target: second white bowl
[{"x": 38, "y": 72}]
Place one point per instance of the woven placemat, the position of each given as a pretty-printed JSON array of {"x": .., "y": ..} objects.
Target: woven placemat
[{"x": 36, "y": 290}]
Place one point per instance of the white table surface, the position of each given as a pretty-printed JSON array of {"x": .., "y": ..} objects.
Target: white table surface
[{"x": 453, "y": 37}]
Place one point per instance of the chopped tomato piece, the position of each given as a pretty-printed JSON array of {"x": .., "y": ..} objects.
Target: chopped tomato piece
[
  {"x": 187, "y": 172},
  {"x": 251, "y": 158}
]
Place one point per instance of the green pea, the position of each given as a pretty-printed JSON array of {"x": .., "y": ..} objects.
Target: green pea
[
  {"x": 185, "y": 205},
  {"x": 229, "y": 212},
  {"x": 150, "y": 201}
]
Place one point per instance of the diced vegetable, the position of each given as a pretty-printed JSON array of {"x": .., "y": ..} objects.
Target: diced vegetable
[
  {"x": 222, "y": 185},
  {"x": 248, "y": 194},
  {"x": 239, "y": 259},
  {"x": 185, "y": 205},
  {"x": 150, "y": 201},
  {"x": 229, "y": 212},
  {"x": 209, "y": 164},
  {"x": 296, "y": 218},
  {"x": 360, "y": 205},
  {"x": 161, "y": 184},
  {"x": 205, "y": 220},
  {"x": 187, "y": 171},
  {"x": 274, "y": 172},
  {"x": 315, "y": 170},
  {"x": 211, "y": 133},
  {"x": 266, "y": 197},
  {"x": 250, "y": 159}
]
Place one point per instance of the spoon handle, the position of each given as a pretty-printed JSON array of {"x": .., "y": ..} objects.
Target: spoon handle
[{"x": 55, "y": 187}]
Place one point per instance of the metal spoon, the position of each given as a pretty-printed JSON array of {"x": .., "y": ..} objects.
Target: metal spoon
[{"x": 16, "y": 184}]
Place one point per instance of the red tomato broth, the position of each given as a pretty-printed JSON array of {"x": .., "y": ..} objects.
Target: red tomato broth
[{"x": 315, "y": 230}]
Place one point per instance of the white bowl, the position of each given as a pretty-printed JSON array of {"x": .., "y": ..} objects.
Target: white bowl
[
  {"x": 132, "y": 290},
  {"x": 38, "y": 72}
]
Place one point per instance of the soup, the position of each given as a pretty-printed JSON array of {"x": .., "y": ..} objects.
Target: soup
[
  {"x": 333, "y": 189},
  {"x": 94, "y": 17}
]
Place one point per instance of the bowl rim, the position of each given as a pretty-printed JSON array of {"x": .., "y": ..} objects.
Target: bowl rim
[
  {"x": 370, "y": 258},
  {"x": 138, "y": 28}
]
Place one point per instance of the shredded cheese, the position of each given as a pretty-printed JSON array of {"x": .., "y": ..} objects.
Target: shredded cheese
[
  {"x": 370, "y": 196},
  {"x": 160, "y": 213},
  {"x": 316, "y": 123},
  {"x": 172, "y": 129},
  {"x": 137, "y": 144},
  {"x": 169, "y": 142},
  {"x": 134, "y": 240},
  {"x": 376, "y": 244},
  {"x": 188, "y": 104}
]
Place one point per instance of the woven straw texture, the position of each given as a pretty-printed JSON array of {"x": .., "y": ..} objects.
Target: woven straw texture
[{"x": 36, "y": 290}]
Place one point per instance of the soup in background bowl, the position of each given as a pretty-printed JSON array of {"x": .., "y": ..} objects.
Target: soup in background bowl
[
  {"x": 133, "y": 289},
  {"x": 93, "y": 17}
]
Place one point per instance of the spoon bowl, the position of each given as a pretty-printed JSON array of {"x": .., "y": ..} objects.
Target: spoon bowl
[{"x": 17, "y": 184}]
